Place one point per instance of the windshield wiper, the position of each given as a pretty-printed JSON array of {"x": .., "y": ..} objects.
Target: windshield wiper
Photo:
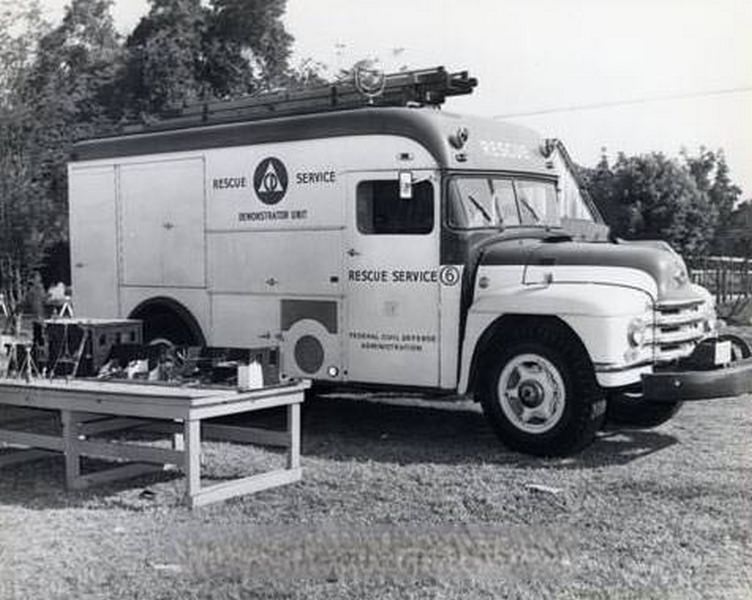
[
  {"x": 530, "y": 208},
  {"x": 482, "y": 210}
]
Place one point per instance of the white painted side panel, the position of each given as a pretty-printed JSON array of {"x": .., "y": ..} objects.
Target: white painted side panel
[
  {"x": 93, "y": 235},
  {"x": 599, "y": 314},
  {"x": 162, "y": 225},
  {"x": 450, "y": 292},
  {"x": 276, "y": 262},
  {"x": 242, "y": 320},
  {"x": 392, "y": 334},
  {"x": 616, "y": 276},
  {"x": 308, "y": 178}
]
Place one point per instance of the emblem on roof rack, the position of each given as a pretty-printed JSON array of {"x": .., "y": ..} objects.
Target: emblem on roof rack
[
  {"x": 270, "y": 180},
  {"x": 369, "y": 79}
]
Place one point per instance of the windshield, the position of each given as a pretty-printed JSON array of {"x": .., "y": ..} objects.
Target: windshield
[{"x": 494, "y": 202}]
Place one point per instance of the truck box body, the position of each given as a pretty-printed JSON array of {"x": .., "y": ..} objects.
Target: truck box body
[{"x": 251, "y": 262}]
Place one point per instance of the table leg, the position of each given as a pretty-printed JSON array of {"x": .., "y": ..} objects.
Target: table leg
[
  {"x": 70, "y": 449},
  {"x": 293, "y": 430},
  {"x": 192, "y": 439}
]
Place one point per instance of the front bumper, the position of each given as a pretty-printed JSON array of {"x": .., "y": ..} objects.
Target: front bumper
[{"x": 670, "y": 386}]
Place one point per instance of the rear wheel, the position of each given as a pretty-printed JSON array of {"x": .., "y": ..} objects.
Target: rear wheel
[
  {"x": 539, "y": 392},
  {"x": 165, "y": 328}
]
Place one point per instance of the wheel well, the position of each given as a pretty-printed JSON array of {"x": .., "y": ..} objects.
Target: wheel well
[
  {"x": 509, "y": 322},
  {"x": 161, "y": 307}
]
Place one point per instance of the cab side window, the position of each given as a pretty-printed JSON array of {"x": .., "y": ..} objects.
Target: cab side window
[{"x": 381, "y": 211}]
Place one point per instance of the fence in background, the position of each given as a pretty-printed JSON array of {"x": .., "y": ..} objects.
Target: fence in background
[{"x": 729, "y": 278}]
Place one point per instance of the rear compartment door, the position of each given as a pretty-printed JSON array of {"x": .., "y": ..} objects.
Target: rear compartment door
[
  {"x": 391, "y": 261},
  {"x": 162, "y": 206},
  {"x": 93, "y": 235}
]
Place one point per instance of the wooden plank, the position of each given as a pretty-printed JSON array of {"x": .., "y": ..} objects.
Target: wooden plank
[
  {"x": 164, "y": 394},
  {"x": 110, "y": 424},
  {"x": 130, "y": 452},
  {"x": 220, "y": 410},
  {"x": 227, "y": 433},
  {"x": 109, "y": 388},
  {"x": 246, "y": 485},
  {"x": 114, "y": 474},
  {"x": 248, "y": 435},
  {"x": 257, "y": 394},
  {"x": 192, "y": 457},
  {"x": 118, "y": 406},
  {"x": 23, "y": 456},
  {"x": 33, "y": 440},
  {"x": 293, "y": 429},
  {"x": 24, "y": 414},
  {"x": 143, "y": 402}
]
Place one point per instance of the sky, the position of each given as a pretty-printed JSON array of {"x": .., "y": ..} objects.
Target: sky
[{"x": 663, "y": 74}]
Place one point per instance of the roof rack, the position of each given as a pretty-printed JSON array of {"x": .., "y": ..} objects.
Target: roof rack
[{"x": 423, "y": 87}]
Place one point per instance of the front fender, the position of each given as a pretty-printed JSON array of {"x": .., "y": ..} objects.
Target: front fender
[{"x": 598, "y": 314}]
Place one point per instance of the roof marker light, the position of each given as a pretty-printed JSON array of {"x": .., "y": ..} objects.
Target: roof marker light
[{"x": 459, "y": 138}]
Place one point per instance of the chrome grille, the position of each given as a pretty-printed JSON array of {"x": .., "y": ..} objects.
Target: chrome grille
[{"x": 677, "y": 329}]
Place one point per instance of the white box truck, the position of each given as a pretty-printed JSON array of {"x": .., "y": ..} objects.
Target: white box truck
[{"x": 398, "y": 246}]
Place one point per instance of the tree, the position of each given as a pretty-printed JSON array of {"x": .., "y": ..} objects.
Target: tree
[
  {"x": 72, "y": 91},
  {"x": 736, "y": 236},
  {"x": 165, "y": 58},
  {"x": 23, "y": 204},
  {"x": 58, "y": 87},
  {"x": 183, "y": 52},
  {"x": 248, "y": 45},
  {"x": 653, "y": 197},
  {"x": 711, "y": 173}
]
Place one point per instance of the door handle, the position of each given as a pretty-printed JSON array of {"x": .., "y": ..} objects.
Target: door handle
[{"x": 353, "y": 252}]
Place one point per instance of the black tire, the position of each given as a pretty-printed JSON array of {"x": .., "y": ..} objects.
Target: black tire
[
  {"x": 169, "y": 327},
  {"x": 577, "y": 416},
  {"x": 632, "y": 410},
  {"x": 739, "y": 347}
]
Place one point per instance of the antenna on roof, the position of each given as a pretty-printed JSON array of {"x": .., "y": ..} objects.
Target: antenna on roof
[{"x": 367, "y": 87}]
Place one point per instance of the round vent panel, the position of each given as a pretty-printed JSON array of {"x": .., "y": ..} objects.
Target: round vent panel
[{"x": 309, "y": 354}]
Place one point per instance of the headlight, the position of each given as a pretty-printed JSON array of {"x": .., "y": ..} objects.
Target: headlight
[
  {"x": 680, "y": 276},
  {"x": 637, "y": 332}
]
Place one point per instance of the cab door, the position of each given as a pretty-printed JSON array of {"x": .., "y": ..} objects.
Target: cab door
[{"x": 391, "y": 278}]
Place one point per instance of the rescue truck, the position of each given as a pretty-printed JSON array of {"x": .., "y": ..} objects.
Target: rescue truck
[{"x": 380, "y": 241}]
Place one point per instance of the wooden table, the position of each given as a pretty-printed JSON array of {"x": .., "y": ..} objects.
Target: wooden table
[{"x": 89, "y": 407}]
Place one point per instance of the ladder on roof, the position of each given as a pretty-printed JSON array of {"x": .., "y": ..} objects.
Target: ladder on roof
[{"x": 423, "y": 87}]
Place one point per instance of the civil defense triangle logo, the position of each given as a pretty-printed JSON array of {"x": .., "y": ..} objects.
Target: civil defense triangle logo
[{"x": 270, "y": 180}]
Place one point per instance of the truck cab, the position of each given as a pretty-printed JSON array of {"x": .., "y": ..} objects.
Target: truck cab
[{"x": 386, "y": 245}]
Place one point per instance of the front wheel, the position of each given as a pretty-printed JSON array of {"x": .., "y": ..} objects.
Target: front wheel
[
  {"x": 539, "y": 393},
  {"x": 630, "y": 409}
]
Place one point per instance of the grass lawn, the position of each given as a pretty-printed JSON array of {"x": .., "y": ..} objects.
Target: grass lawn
[{"x": 404, "y": 498}]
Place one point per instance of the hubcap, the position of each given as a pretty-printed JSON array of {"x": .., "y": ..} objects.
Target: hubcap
[{"x": 531, "y": 393}]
